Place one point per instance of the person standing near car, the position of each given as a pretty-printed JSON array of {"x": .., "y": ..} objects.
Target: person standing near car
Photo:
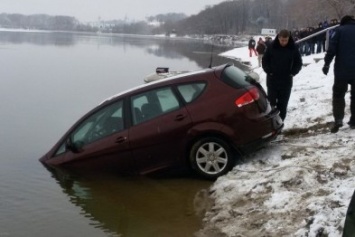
[
  {"x": 268, "y": 41},
  {"x": 342, "y": 47},
  {"x": 281, "y": 62},
  {"x": 251, "y": 46},
  {"x": 260, "y": 48}
]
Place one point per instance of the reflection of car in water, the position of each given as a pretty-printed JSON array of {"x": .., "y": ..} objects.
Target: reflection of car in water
[
  {"x": 137, "y": 206},
  {"x": 203, "y": 120}
]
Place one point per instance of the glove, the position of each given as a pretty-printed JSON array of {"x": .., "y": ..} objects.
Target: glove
[{"x": 325, "y": 69}]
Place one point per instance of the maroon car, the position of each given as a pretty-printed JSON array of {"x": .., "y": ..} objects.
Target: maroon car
[{"x": 205, "y": 120}]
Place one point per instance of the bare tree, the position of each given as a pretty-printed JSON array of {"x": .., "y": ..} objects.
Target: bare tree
[{"x": 341, "y": 7}]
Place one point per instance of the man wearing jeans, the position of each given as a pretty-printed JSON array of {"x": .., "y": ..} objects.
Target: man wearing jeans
[{"x": 342, "y": 47}]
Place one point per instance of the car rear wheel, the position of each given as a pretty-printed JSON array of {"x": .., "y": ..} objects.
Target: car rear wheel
[{"x": 211, "y": 157}]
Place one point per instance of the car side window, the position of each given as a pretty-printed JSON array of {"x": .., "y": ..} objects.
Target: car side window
[
  {"x": 235, "y": 77},
  {"x": 101, "y": 124},
  {"x": 191, "y": 91},
  {"x": 153, "y": 103},
  {"x": 167, "y": 100}
]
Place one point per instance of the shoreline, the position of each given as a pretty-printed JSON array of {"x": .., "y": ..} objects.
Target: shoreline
[{"x": 217, "y": 40}]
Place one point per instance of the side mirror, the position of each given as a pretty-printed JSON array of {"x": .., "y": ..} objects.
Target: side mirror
[{"x": 75, "y": 147}]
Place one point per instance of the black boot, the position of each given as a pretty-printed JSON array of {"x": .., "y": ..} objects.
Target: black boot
[
  {"x": 351, "y": 124},
  {"x": 336, "y": 126}
]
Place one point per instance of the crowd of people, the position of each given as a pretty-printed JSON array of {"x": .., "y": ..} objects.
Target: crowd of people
[
  {"x": 281, "y": 59},
  {"x": 259, "y": 48},
  {"x": 315, "y": 44}
]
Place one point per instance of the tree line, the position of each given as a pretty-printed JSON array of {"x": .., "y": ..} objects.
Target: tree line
[
  {"x": 41, "y": 22},
  {"x": 229, "y": 17},
  {"x": 250, "y": 16}
]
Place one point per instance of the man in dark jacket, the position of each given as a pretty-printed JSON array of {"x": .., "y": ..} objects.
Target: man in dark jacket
[
  {"x": 260, "y": 48},
  {"x": 342, "y": 47},
  {"x": 349, "y": 224},
  {"x": 281, "y": 62}
]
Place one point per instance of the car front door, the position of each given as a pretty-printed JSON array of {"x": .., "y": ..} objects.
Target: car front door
[
  {"x": 160, "y": 124},
  {"x": 99, "y": 142}
]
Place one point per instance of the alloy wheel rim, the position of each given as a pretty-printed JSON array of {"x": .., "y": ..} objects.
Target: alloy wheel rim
[{"x": 211, "y": 158}]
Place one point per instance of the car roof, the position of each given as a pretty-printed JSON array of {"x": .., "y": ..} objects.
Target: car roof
[{"x": 161, "y": 81}]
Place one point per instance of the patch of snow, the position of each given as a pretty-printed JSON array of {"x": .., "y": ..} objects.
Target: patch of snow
[{"x": 25, "y": 30}]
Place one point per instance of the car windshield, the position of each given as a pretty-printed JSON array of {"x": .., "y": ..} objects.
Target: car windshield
[{"x": 235, "y": 77}]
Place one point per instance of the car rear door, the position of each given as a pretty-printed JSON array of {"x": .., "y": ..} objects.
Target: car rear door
[{"x": 160, "y": 125}]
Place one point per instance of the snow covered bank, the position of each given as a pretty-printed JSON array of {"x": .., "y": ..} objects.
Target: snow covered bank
[
  {"x": 300, "y": 186},
  {"x": 25, "y": 30}
]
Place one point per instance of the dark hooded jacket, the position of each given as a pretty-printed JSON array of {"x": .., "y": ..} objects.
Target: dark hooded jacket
[
  {"x": 342, "y": 47},
  {"x": 251, "y": 44},
  {"x": 349, "y": 225},
  {"x": 281, "y": 63}
]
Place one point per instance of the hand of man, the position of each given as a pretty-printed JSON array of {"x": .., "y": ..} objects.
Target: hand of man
[{"x": 325, "y": 69}]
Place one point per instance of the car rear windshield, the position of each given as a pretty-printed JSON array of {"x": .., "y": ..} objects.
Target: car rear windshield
[{"x": 235, "y": 77}]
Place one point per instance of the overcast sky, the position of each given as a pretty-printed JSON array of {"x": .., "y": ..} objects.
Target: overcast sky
[{"x": 90, "y": 10}]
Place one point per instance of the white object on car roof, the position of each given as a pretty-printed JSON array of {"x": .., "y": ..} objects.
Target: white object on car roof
[{"x": 161, "y": 73}]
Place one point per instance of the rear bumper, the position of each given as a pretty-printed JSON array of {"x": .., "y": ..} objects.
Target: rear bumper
[{"x": 276, "y": 125}]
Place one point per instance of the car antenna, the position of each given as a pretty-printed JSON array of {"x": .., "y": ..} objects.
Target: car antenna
[{"x": 211, "y": 58}]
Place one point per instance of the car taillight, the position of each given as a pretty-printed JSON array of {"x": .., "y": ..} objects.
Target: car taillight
[{"x": 248, "y": 97}]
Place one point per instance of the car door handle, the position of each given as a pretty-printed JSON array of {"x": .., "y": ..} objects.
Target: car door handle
[
  {"x": 179, "y": 117},
  {"x": 121, "y": 139}
]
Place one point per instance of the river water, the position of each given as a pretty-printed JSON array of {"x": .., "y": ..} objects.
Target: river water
[{"x": 49, "y": 80}]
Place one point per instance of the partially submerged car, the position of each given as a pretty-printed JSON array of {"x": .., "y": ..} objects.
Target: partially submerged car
[{"x": 205, "y": 120}]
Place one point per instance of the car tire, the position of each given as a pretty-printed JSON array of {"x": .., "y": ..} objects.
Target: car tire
[{"x": 211, "y": 157}]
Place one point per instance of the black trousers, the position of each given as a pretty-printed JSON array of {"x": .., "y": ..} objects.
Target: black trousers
[
  {"x": 279, "y": 96},
  {"x": 340, "y": 88}
]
